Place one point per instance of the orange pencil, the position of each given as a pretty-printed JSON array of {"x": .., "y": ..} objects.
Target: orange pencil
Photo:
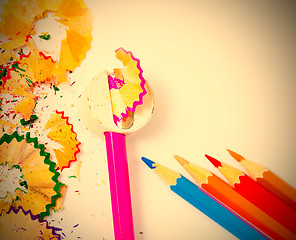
[
  {"x": 223, "y": 192},
  {"x": 258, "y": 195},
  {"x": 268, "y": 179}
]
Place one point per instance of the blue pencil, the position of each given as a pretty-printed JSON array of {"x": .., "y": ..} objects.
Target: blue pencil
[{"x": 206, "y": 204}]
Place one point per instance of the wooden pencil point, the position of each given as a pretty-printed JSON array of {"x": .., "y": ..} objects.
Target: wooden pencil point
[
  {"x": 236, "y": 156},
  {"x": 181, "y": 160},
  {"x": 214, "y": 161}
]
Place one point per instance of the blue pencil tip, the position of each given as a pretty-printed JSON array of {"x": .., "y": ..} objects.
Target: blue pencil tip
[{"x": 148, "y": 162}]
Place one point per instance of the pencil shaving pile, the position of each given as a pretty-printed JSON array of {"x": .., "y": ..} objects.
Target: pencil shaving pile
[{"x": 24, "y": 69}]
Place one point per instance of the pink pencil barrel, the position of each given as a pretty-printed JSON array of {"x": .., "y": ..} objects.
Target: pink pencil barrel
[{"x": 119, "y": 186}]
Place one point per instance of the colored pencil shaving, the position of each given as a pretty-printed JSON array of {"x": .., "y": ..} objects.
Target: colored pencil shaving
[
  {"x": 221, "y": 190},
  {"x": 268, "y": 179},
  {"x": 257, "y": 194},
  {"x": 205, "y": 203}
]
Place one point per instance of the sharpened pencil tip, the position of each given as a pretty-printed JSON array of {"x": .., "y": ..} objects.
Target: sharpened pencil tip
[
  {"x": 214, "y": 161},
  {"x": 236, "y": 156},
  {"x": 148, "y": 162},
  {"x": 181, "y": 160}
]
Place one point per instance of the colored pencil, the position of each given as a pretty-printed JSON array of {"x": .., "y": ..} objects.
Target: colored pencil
[
  {"x": 257, "y": 194},
  {"x": 223, "y": 192},
  {"x": 205, "y": 203},
  {"x": 268, "y": 179}
]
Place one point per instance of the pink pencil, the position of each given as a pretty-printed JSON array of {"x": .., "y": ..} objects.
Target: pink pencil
[
  {"x": 110, "y": 111},
  {"x": 119, "y": 186}
]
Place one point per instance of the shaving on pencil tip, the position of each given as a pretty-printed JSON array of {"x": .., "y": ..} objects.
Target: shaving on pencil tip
[
  {"x": 181, "y": 160},
  {"x": 236, "y": 156},
  {"x": 214, "y": 161},
  {"x": 148, "y": 162}
]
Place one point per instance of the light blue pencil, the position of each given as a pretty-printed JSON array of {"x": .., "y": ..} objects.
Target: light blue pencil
[{"x": 206, "y": 204}]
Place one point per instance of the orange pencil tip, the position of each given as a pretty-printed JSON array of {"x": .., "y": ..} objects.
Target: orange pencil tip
[
  {"x": 214, "y": 161},
  {"x": 236, "y": 156},
  {"x": 181, "y": 160}
]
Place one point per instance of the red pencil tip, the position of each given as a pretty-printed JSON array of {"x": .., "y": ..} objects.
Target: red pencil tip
[
  {"x": 214, "y": 161},
  {"x": 235, "y": 155}
]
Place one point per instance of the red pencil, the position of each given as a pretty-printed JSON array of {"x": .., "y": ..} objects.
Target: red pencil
[{"x": 257, "y": 194}]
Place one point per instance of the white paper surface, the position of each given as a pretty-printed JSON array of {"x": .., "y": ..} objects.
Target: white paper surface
[{"x": 223, "y": 76}]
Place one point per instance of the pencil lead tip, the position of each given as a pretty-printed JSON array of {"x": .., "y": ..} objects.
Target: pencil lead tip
[
  {"x": 236, "y": 156},
  {"x": 181, "y": 160},
  {"x": 149, "y": 162},
  {"x": 214, "y": 161}
]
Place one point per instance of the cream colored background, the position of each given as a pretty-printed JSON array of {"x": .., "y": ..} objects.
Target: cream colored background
[{"x": 223, "y": 75}]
